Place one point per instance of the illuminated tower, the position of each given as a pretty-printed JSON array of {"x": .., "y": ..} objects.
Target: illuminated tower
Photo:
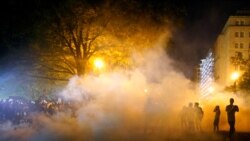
[
  {"x": 206, "y": 75},
  {"x": 232, "y": 45}
]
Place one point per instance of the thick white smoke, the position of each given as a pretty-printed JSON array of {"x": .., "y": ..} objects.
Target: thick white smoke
[
  {"x": 139, "y": 104},
  {"x": 125, "y": 103}
]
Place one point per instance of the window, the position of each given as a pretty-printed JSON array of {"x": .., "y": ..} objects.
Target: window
[
  {"x": 237, "y": 22},
  {"x": 241, "y": 22},
  {"x": 241, "y": 34},
  {"x": 241, "y": 45},
  {"x": 237, "y": 34},
  {"x": 236, "y": 45}
]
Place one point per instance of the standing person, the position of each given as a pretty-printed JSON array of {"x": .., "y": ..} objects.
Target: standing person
[
  {"x": 231, "y": 109},
  {"x": 190, "y": 117},
  {"x": 184, "y": 119},
  {"x": 216, "y": 118},
  {"x": 198, "y": 116}
]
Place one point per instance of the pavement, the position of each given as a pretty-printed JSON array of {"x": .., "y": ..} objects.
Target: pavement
[
  {"x": 141, "y": 136},
  {"x": 238, "y": 136}
]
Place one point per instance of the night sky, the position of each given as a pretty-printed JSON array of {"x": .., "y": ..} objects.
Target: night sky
[{"x": 202, "y": 22}]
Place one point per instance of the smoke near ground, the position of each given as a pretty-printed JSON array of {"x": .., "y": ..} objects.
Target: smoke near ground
[{"x": 140, "y": 104}]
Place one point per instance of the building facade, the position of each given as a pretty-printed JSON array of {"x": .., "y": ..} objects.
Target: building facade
[{"x": 232, "y": 47}]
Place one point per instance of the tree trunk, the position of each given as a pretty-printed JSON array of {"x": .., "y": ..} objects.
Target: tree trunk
[{"x": 80, "y": 66}]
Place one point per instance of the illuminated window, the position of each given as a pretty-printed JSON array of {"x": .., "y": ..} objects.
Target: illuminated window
[
  {"x": 236, "y": 45},
  {"x": 241, "y": 34},
  {"x": 237, "y": 34}
]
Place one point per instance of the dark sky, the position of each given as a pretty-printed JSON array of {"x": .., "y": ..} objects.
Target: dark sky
[{"x": 202, "y": 23}]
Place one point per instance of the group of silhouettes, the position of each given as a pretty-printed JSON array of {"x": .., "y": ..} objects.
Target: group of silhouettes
[{"x": 191, "y": 117}]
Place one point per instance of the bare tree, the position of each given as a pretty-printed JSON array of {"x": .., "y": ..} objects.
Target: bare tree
[{"x": 78, "y": 32}]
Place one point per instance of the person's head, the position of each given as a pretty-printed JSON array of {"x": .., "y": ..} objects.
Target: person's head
[
  {"x": 196, "y": 104},
  {"x": 190, "y": 104},
  {"x": 217, "y": 107},
  {"x": 231, "y": 101}
]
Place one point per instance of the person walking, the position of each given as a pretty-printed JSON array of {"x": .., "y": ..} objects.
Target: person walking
[
  {"x": 231, "y": 109},
  {"x": 216, "y": 118}
]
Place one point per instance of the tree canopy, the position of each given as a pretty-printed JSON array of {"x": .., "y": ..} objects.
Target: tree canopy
[
  {"x": 81, "y": 30},
  {"x": 55, "y": 40}
]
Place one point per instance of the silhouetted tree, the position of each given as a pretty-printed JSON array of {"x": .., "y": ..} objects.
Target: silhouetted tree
[
  {"x": 244, "y": 81},
  {"x": 80, "y": 30}
]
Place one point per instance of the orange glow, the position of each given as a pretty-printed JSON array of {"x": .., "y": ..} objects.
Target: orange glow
[
  {"x": 235, "y": 75},
  {"x": 98, "y": 63}
]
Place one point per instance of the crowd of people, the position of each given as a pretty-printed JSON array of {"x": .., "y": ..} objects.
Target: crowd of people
[
  {"x": 191, "y": 117},
  {"x": 17, "y": 109}
]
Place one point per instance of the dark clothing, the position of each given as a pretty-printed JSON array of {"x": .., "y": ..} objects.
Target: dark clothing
[
  {"x": 232, "y": 128},
  {"x": 231, "y": 109},
  {"x": 217, "y": 116},
  {"x": 216, "y": 119}
]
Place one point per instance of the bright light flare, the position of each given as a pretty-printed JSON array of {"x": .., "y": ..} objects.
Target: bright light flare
[
  {"x": 235, "y": 75},
  {"x": 99, "y": 63},
  {"x": 211, "y": 89}
]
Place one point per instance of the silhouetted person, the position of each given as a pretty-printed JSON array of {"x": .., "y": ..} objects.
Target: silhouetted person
[
  {"x": 198, "y": 115},
  {"x": 184, "y": 119},
  {"x": 231, "y": 109},
  {"x": 216, "y": 118},
  {"x": 190, "y": 117}
]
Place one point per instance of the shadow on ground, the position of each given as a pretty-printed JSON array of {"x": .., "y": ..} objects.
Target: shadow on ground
[
  {"x": 238, "y": 136},
  {"x": 202, "y": 136}
]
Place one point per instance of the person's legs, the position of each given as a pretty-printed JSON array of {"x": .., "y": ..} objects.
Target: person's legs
[
  {"x": 232, "y": 128},
  {"x": 216, "y": 125}
]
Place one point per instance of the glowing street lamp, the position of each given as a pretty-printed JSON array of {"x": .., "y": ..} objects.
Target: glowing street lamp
[
  {"x": 211, "y": 89},
  {"x": 99, "y": 64},
  {"x": 235, "y": 76}
]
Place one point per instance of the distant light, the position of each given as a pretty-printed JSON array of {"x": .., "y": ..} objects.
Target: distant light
[
  {"x": 145, "y": 90},
  {"x": 99, "y": 63},
  {"x": 235, "y": 75},
  {"x": 211, "y": 89}
]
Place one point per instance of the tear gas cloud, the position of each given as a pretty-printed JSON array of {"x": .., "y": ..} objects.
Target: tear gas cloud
[{"x": 129, "y": 105}]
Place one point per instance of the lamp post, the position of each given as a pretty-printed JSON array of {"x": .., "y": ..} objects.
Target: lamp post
[{"x": 235, "y": 76}]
